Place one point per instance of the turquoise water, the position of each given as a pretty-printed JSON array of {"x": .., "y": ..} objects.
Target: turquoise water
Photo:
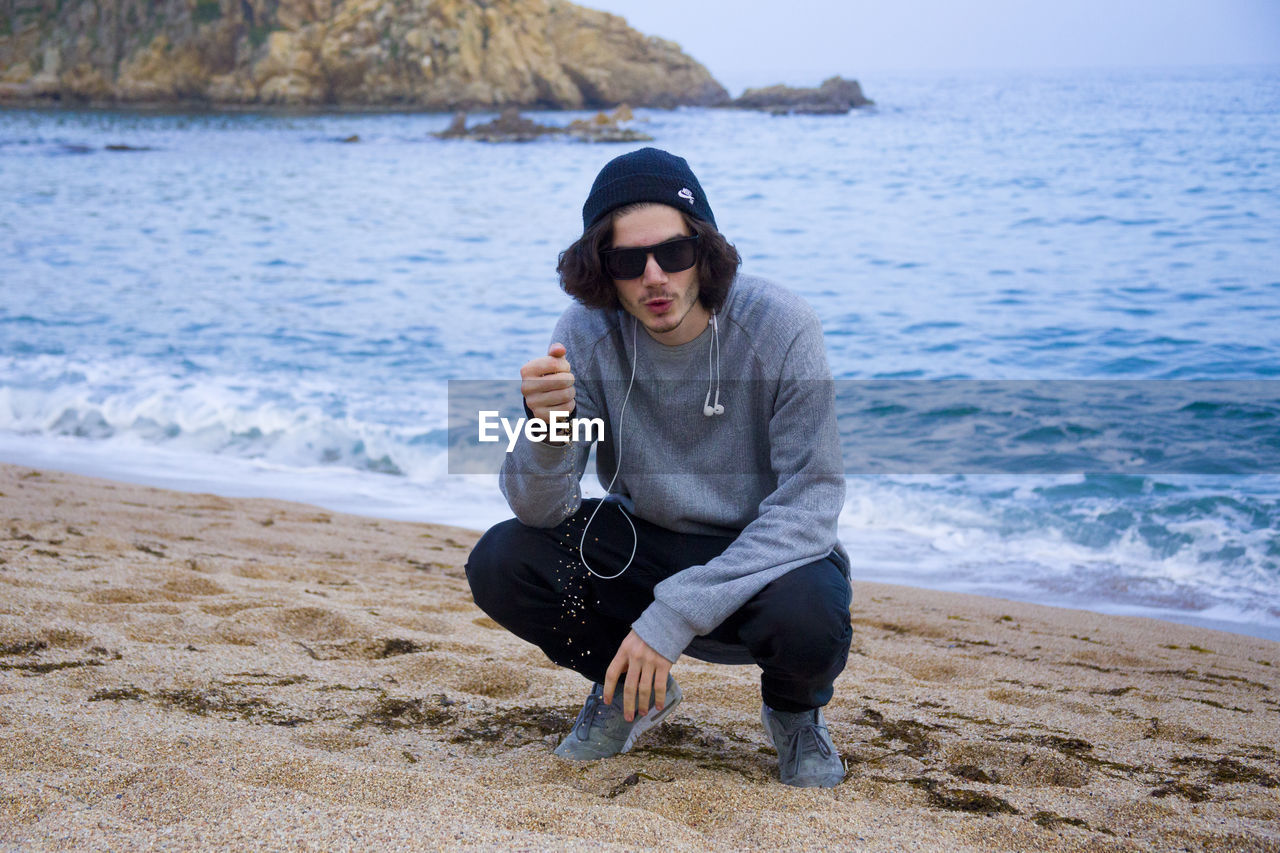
[{"x": 252, "y": 306}]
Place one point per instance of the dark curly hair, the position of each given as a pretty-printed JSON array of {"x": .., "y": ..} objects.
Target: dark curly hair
[{"x": 583, "y": 277}]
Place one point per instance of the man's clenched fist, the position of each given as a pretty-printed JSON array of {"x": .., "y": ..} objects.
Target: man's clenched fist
[{"x": 547, "y": 384}]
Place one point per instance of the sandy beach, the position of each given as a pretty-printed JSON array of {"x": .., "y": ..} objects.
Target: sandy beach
[{"x": 188, "y": 671}]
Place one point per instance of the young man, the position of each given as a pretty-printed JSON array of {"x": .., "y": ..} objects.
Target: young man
[{"x": 718, "y": 538}]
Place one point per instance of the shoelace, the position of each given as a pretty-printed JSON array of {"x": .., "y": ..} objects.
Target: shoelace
[
  {"x": 795, "y": 743},
  {"x": 593, "y": 708}
]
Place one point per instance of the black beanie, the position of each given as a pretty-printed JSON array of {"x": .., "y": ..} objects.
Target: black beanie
[{"x": 649, "y": 174}]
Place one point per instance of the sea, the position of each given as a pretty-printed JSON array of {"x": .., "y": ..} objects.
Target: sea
[{"x": 274, "y": 303}]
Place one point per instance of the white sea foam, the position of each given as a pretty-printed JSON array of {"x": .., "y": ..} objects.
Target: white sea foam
[
  {"x": 918, "y": 530},
  {"x": 292, "y": 422}
]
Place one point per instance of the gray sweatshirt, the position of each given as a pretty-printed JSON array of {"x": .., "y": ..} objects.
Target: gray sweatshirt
[{"x": 767, "y": 471}]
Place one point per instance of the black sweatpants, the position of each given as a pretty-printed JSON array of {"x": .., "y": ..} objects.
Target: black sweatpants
[{"x": 532, "y": 582}]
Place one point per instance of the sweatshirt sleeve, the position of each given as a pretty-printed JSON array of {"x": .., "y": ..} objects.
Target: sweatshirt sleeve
[
  {"x": 542, "y": 481},
  {"x": 796, "y": 523}
]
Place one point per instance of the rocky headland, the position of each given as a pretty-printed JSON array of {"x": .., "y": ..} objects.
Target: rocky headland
[{"x": 419, "y": 54}]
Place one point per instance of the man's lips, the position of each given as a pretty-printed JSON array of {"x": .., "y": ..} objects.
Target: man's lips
[{"x": 659, "y": 305}]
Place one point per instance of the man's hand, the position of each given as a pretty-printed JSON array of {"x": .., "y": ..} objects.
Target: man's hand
[
  {"x": 646, "y": 675},
  {"x": 547, "y": 384}
]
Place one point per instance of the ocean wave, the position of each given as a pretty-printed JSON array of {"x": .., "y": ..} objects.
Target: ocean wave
[
  {"x": 289, "y": 422},
  {"x": 1187, "y": 544}
]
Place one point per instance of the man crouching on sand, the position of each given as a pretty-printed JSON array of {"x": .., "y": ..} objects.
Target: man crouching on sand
[{"x": 718, "y": 535}]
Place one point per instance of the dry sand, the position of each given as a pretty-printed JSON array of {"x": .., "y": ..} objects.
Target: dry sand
[{"x": 188, "y": 671}]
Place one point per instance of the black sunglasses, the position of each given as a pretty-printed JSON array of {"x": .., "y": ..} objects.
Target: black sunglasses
[{"x": 673, "y": 256}]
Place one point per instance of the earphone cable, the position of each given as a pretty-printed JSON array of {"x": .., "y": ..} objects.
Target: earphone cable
[
  {"x": 622, "y": 416},
  {"x": 715, "y": 342}
]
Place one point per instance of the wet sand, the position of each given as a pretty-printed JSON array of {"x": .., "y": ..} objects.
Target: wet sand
[{"x": 190, "y": 671}]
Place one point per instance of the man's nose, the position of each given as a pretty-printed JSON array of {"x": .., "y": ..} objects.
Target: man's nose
[{"x": 652, "y": 271}]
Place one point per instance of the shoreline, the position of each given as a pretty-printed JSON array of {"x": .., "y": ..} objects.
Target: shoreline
[
  {"x": 202, "y": 671},
  {"x": 335, "y": 497},
  {"x": 197, "y": 107}
]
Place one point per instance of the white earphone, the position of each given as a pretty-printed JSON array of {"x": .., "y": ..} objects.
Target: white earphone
[
  {"x": 708, "y": 408},
  {"x": 622, "y": 415}
]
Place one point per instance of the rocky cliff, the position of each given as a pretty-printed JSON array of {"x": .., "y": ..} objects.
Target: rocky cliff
[{"x": 426, "y": 54}]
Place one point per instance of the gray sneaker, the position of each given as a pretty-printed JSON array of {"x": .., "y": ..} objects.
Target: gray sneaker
[
  {"x": 601, "y": 731},
  {"x": 806, "y": 756}
]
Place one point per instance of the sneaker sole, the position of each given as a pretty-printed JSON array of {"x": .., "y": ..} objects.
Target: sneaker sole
[{"x": 650, "y": 720}]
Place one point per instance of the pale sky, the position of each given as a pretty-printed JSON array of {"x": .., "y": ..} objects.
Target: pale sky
[{"x": 804, "y": 41}]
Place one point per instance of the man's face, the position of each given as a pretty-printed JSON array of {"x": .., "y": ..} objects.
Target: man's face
[{"x": 665, "y": 303}]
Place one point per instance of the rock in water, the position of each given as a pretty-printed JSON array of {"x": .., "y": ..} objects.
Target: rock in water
[
  {"x": 457, "y": 128},
  {"x": 513, "y": 127},
  {"x": 607, "y": 127},
  {"x": 835, "y": 95},
  {"x": 508, "y": 127},
  {"x": 424, "y": 54}
]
